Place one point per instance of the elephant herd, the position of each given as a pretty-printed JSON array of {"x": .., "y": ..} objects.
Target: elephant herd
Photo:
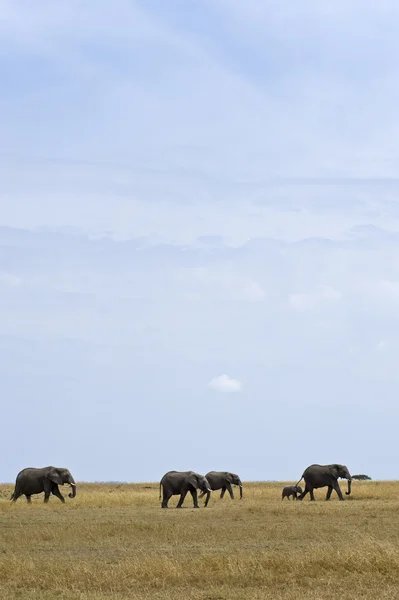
[
  {"x": 35, "y": 481},
  {"x": 182, "y": 482}
]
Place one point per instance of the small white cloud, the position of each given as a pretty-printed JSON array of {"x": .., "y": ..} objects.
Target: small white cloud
[{"x": 224, "y": 383}]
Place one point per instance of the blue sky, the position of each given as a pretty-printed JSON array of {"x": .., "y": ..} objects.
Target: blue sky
[{"x": 199, "y": 237}]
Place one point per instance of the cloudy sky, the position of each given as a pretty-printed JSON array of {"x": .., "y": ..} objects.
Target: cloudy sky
[{"x": 199, "y": 241}]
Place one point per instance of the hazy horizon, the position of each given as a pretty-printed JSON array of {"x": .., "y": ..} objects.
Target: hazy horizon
[{"x": 199, "y": 232}]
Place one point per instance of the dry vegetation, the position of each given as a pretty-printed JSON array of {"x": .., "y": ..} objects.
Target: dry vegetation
[{"x": 114, "y": 542}]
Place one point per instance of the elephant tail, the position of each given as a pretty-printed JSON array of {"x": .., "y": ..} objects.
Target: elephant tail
[{"x": 300, "y": 479}]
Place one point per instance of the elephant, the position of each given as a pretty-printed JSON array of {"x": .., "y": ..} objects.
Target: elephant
[
  {"x": 291, "y": 490},
  {"x": 181, "y": 482},
  {"x": 317, "y": 476},
  {"x": 222, "y": 480},
  {"x": 47, "y": 479}
]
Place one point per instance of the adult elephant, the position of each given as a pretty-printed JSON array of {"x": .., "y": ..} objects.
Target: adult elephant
[
  {"x": 181, "y": 482},
  {"x": 222, "y": 480},
  {"x": 317, "y": 476},
  {"x": 35, "y": 481}
]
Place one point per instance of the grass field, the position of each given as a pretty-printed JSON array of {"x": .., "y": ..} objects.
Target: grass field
[{"x": 114, "y": 542}]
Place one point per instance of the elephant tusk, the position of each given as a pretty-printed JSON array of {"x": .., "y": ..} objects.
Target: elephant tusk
[{"x": 208, "y": 490}]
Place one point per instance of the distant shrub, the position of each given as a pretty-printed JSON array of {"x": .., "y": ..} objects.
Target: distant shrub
[{"x": 361, "y": 477}]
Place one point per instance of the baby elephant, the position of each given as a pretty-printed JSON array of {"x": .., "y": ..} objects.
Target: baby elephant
[{"x": 291, "y": 490}]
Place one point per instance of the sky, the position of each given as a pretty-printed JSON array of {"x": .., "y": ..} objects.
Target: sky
[{"x": 199, "y": 237}]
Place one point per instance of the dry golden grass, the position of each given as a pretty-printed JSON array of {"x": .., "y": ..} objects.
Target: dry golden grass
[{"x": 115, "y": 542}]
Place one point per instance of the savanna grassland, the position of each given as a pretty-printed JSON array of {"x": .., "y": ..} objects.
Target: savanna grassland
[{"x": 115, "y": 542}]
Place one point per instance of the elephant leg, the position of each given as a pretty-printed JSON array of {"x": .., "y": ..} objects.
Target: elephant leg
[
  {"x": 194, "y": 496},
  {"x": 329, "y": 492},
  {"x": 338, "y": 490},
  {"x": 47, "y": 490},
  {"x": 230, "y": 490},
  {"x": 222, "y": 493},
  {"x": 294, "y": 496},
  {"x": 28, "y": 498},
  {"x": 312, "y": 498},
  {"x": 182, "y": 496},
  {"x": 55, "y": 490},
  {"x": 15, "y": 496},
  {"x": 165, "y": 499},
  {"x": 305, "y": 491}
]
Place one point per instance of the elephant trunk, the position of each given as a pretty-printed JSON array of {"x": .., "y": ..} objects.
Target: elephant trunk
[
  {"x": 72, "y": 494},
  {"x": 208, "y": 495},
  {"x": 240, "y": 491},
  {"x": 349, "y": 487}
]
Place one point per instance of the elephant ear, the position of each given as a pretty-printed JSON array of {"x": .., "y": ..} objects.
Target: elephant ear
[
  {"x": 193, "y": 480},
  {"x": 54, "y": 476},
  {"x": 229, "y": 477},
  {"x": 334, "y": 470}
]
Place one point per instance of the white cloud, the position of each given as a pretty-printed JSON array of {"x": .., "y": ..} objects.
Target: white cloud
[{"x": 224, "y": 383}]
